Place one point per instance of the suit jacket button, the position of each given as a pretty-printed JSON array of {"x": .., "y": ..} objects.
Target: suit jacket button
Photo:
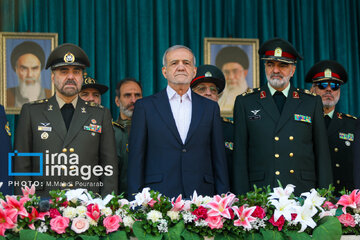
[
  {"x": 336, "y": 149},
  {"x": 64, "y": 150},
  {"x": 277, "y": 155},
  {"x": 184, "y": 150},
  {"x": 337, "y": 165},
  {"x": 277, "y": 173},
  {"x": 291, "y": 138},
  {"x": 291, "y": 154},
  {"x": 292, "y": 171}
]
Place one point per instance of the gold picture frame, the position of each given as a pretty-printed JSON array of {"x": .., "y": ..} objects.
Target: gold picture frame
[
  {"x": 23, "y": 76},
  {"x": 239, "y": 60}
]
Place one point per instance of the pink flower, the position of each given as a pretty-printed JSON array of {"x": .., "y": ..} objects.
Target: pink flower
[
  {"x": 244, "y": 215},
  {"x": 200, "y": 212},
  {"x": 79, "y": 225},
  {"x": 329, "y": 205},
  {"x": 214, "y": 222},
  {"x": 35, "y": 215},
  {"x": 178, "y": 205},
  {"x": 152, "y": 203},
  {"x": 347, "y": 220},
  {"x": 7, "y": 218},
  {"x": 12, "y": 203},
  {"x": 54, "y": 213},
  {"x": 221, "y": 206},
  {"x": 279, "y": 223},
  {"x": 59, "y": 224},
  {"x": 28, "y": 191},
  {"x": 352, "y": 200},
  {"x": 93, "y": 212},
  {"x": 259, "y": 212},
  {"x": 112, "y": 223}
]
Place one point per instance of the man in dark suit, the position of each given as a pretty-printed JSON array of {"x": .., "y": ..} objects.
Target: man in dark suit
[
  {"x": 279, "y": 130},
  {"x": 5, "y": 148},
  {"x": 75, "y": 137},
  {"x": 327, "y": 77},
  {"x": 176, "y": 142}
]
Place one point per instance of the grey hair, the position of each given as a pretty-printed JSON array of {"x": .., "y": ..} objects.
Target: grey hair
[{"x": 174, "y": 48}]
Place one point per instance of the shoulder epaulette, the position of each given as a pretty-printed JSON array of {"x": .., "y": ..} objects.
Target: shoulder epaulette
[
  {"x": 306, "y": 91},
  {"x": 227, "y": 120},
  {"x": 92, "y": 104},
  {"x": 39, "y": 101},
  {"x": 250, "y": 91},
  {"x": 350, "y": 116},
  {"x": 118, "y": 125}
]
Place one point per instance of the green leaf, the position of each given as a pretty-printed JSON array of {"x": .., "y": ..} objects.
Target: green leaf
[
  {"x": 85, "y": 237},
  {"x": 294, "y": 235},
  {"x": 272, "y": 235},
  {"x": 226, "y": 237},
  {"x": 329, "y": 228},
  {"x": 254, "y": 236},
  {"x": 115, "y": 236},
  {"x": 141, "y": 234},
  {"x": 174, "y": 232},
  {"x": 190, "y": 235},
  {"x": 2, "y": 238},
  {"x": 34, "y": 235}
]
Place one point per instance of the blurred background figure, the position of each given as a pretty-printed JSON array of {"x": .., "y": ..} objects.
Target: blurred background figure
[{"x": 92, "y": 91}]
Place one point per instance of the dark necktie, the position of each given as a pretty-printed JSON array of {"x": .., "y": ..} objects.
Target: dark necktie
[
  {"x": 279, "y": 99},
  {"x": 67, "y": 112},
  {"x": 327, "y": 121}
]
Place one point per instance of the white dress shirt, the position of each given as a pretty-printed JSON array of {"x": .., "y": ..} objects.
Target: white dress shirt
[
  {"x": 273, "y": 90},
  {"x": 181, "y": 108}
]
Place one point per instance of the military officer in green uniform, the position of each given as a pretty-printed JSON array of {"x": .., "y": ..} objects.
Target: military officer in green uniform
[
  {"x": 280, "y": 132},
  {"x": 128, "y": 91},
  {"x": 91, "y": 91},
  {"x": 209, "y": 82},
  {"x": 327, "y": 77},
  {"x": 75, "y": 138}
]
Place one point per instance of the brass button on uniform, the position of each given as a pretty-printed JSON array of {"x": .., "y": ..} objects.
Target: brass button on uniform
[
  {"x": 292, "y": 171},
  {"x": 338, "y": 181},
  {"x": 277, "y": 173},
  {"x": 291, "y": 138},
  {"x": 276, "y": 138},
  {"x": 336, "y": 149},
  {"x": 291, "y": 154},
  {"x": 71, "y": 150},
  {"x": 64, "y": 150},
  {"x": 277, "y": 155},
  {"x": 337, "y": 165}
]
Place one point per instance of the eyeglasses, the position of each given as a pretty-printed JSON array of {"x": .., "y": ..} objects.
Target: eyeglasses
[
  {"x": 202, "y": 89},
  {"x": 323, "y": 85}
]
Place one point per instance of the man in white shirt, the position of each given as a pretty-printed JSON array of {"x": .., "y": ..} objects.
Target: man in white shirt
[{"x": 176, "y": 142}]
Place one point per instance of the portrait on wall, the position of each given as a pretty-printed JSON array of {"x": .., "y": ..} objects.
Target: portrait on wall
[
  {"x": 238, "y": 60},
  {"x": 23, "y": 75}
]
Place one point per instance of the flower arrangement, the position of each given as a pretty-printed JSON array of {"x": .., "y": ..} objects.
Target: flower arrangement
[{"x": 261, "y": 214}]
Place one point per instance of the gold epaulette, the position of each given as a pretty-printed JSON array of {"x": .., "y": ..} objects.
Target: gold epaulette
[
  {"x": 250, "y": 91},
  {"x": 227, "y": 120},
  {"x": 306, "y": 91},
  {"x": 39, "y": 101},
  {"x": 118, "y": 125},
  {"x": 92, "y": 104},
  {"x": 350, "y": 116}
]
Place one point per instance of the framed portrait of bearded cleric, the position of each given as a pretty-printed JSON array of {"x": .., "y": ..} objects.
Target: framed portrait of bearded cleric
[
  {"x": 23, "y": 76},
  {"x": 238, "y": 59}
]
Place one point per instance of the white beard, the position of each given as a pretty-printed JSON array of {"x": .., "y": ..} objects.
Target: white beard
[
  {"x": 228, "y": 96},
  {"x": 31, "y": 92}
]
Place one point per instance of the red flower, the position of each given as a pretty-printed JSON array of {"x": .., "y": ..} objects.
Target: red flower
[
  {"x": 65, "y": 204},
  {"x": 279, "y": 223},
  {"x": 54, "y": 213},
  {"x": 293, "y": 216},
  {"x": 347, "y": 220},
  {"x": 231, "y": 213},
  {"x": 259, "y": 212},
  {"x": 200, "y": 212}
]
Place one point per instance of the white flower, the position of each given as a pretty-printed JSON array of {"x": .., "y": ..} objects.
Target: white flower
[
  {"x": 101, "y": 202},
  {"x": 162, "y": 227},
  {"x": 154, "y": 216},
  {"x": 92, "y": 222},
  {"x": 81, "y": 211},
  {"x": 188, "y": 217},
  {"x": 201, "y": 223},
  {"x": 173, "y": 215},
  {"x": 284, "y": 207},
  {"x": 280, "y": 192},
  {"x": 128, "y": 221},
  {"x": 120, "y": 212},
  {"x": 81, "y": 194},
  {"x": 199, "y": 200},
  {"x": 69, "y": 212},
  {"x": 106, "y": 211},
  {"x": 142, "y": 199},
  {"x": 42, "y": 228},
  {"x": 327, "y": 213},
  {"x": 313, "y": 198},
  {"x": 123, "y": 202},
  {"x": 304, "y": 217},
  {"x": 80, "y": 225}
]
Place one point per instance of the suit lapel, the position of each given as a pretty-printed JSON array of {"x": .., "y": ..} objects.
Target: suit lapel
[
  {"x": 290, "y": 106},
  {"x": 268, "y": 103},
  {"x": 196, "y": 114},
  {"x": 78, "y": 121},
  {"x": 53, "y": 114},
  {"x": 161, "y": 103}
]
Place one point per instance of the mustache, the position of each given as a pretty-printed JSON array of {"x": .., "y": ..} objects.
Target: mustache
[
  {"x": 70, "y": 82},
  {"x": 276, "y": 75}
]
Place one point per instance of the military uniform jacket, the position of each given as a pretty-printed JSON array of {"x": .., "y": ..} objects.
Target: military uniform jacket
[
  {"x": 228, "y": 132},
  {"x": 41, "y": 129},
  {"x": 291, "y": 147},
  {"x": 5, "y": 148},
  {"x": 341, "y": 138},
  {"x": 121, "y": 130}
]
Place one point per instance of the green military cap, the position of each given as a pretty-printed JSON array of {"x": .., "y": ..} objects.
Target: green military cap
[
  {"x": 232, "y": 54},
  {"x": 209, "y": 73},
  {"x": 67, "y": 54},
  {"x": 278, "y": 49},
  {"x": 25, "y": 48},
  {"x": 90, "y": 82},
  {"x": 327, "y": 70}
]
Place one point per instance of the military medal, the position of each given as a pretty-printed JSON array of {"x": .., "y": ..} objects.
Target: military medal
[
  {"x": 44, "y": 135},
  {"x": 347, "y": 143},
  {"x": 93, "y": 134},
  {"x": 93, "y": 121}
]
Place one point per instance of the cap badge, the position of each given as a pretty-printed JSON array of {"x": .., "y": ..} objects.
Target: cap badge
[
  {"x": 208, "y": 74},
  {"x": 69, "y": 58},
  {"x": 278, "y": 52},
  {"x": 327, "y": 73},
  {"x": 89, "y": 80}
]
